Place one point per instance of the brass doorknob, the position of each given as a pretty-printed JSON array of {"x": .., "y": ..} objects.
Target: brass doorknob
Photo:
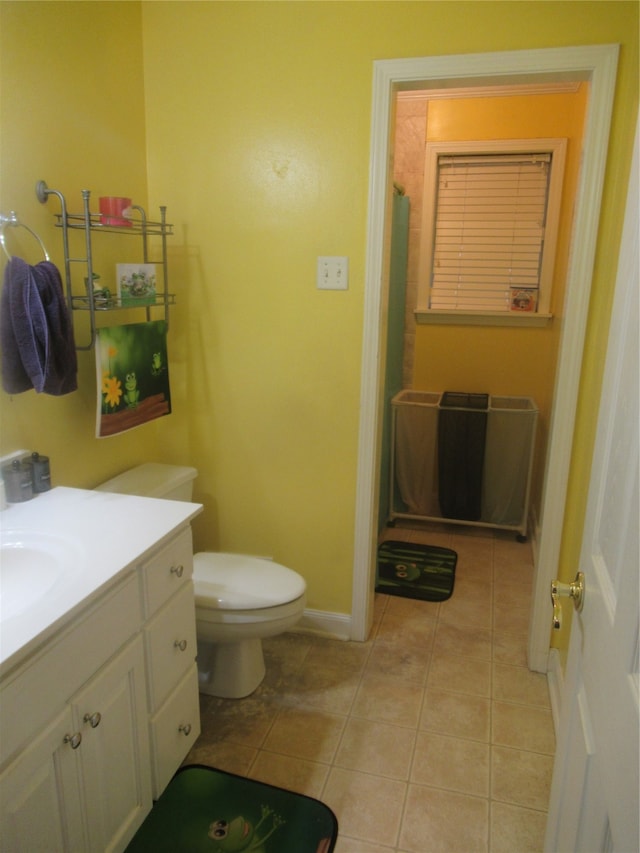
[{"x": 574, "y": 590}]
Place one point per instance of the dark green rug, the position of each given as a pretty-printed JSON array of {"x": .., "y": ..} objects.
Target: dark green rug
[
  {"x": 208, "y": 810},
  {"x": 416, "y": 571}
]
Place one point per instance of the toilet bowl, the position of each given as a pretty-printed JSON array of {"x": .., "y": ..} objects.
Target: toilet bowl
[{"x": 240, "y": 599}]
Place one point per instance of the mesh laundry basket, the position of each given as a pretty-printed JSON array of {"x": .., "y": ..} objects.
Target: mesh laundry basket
[
  {"x": 511, "y": 426},
  {"x": 415, "y": 442},
  {"x": 462, "y": 426}
]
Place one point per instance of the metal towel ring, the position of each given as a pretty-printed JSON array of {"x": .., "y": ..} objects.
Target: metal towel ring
[{"x": 13, "y": 220}]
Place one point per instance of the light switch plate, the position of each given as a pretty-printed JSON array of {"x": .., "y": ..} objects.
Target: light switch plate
[{"x": 332, "y": 272}]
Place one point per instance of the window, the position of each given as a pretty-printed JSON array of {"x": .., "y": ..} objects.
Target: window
[{"x": 489, "y": 228}]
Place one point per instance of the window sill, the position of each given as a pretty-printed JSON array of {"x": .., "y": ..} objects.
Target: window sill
[{"x": 475, "y": 318}]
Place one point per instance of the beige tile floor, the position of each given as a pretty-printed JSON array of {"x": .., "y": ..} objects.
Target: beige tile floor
[{"x": 431, "y": 736}]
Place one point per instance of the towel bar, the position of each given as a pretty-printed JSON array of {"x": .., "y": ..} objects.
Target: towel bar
[{"x": 12, "y": 220}]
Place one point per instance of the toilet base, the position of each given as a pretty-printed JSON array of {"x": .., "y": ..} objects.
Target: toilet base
[{"x": 230, "y": 670}]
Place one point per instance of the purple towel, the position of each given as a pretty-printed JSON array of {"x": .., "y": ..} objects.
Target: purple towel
[{"x": 36, "y": 331}]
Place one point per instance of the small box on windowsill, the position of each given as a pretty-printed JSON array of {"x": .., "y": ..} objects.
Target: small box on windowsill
[{"x": 523, "y": 299}]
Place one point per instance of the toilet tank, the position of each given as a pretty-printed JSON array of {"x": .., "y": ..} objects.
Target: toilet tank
[{"x": 154, "y": 480}]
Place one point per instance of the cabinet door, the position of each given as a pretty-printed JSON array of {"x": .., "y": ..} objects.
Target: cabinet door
[
  {"x": 40, "y": 795},
  {"x": 112, "y": 715}
]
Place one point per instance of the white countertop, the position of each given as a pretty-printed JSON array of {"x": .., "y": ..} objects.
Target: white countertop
[{"x": 109, "y": 534}]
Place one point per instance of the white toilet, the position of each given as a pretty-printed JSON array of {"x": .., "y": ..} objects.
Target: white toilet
[{"x": 239, "y": 599}]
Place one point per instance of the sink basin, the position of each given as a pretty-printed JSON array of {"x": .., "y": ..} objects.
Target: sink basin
[{"x": 32, "y": 566}]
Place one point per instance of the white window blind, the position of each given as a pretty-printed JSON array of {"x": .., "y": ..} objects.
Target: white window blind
[{"x": 489, "y": 231}]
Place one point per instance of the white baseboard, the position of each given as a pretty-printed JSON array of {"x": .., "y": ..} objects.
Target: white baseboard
[
  {"x": 555, "y": 682},
  {"x": 336, "y": 626}
]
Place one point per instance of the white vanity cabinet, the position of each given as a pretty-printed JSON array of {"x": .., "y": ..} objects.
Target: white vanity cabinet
[
  {"x": 79, "y": 778},
  {"x": 41, "y": 794},
  {"x": 110, "y": 714},
  {"x": 97, "y": 717},
  {"x": 170, "y": 646}
]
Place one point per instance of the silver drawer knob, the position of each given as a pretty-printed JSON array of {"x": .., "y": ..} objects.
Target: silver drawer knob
[
  {"x": 186, "y": 729},
  {"x": 180, "y": 644},
  {"x": 177, "y": 570},
  {"x": 93, "y": 719},
  {"x": 73, "y": 740}
]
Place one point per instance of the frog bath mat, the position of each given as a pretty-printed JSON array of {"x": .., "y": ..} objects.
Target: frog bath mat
[
  {"x": 410, "y": 570},
  {"x": 132, "y": 376},
  {"x": 205, "y": 810}
]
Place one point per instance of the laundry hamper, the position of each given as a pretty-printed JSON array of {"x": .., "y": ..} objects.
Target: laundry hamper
[
  {"x": 491, "y": 435},
  {"x": 462, "y": 430}
]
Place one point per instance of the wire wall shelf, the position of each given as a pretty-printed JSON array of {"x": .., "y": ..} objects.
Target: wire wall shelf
[{"x": 137, "y": 225}]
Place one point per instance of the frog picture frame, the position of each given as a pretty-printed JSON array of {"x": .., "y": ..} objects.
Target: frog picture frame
[
  {"x": 136, "y": 284},
  {"x": 132, "y": 370}
]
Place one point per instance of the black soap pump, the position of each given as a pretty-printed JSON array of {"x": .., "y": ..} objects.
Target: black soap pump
[
  {"x": 18, "y": 482},
  {"x": 41, "y": 472}
]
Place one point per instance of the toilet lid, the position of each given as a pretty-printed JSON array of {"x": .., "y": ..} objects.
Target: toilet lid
[{"x": 239, "y": 582}]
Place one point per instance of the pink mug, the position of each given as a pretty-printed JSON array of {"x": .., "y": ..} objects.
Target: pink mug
[{"x": 115, "y": 210}]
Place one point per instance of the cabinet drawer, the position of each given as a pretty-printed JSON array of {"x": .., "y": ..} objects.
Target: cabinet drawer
[
  {"x": 170, "y": 639},
  {"x": 67, "y": 662},
  {"x": 174, "y": 730},
  {"x": 165, "y": 572}
]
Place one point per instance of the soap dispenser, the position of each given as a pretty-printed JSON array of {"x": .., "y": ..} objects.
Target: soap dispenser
[
  {"x": 41, "y": 472},
  {"x": 18, "y": 481}
]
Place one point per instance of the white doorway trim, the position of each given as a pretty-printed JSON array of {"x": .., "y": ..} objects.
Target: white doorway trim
[{"x": 596, "y": 64}]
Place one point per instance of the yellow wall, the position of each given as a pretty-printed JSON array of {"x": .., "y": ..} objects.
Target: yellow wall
[
  {"x": 71, "y": 114},
  {"x": 502, "y": 360},
  {"x": 257, "y": 133}
]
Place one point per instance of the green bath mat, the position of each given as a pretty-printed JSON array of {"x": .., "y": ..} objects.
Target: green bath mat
[
  {"x": 208, "y": 810},
  {"x": 416, "y": 571}
]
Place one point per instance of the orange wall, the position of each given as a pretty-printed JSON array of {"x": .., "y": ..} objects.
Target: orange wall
[{"x": 503, "y": 360}]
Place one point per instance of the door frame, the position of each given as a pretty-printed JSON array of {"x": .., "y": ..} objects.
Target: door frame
[{"x": 596, "y": 64}]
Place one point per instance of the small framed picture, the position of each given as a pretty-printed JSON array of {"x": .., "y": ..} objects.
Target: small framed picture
[
  {"x": 136, "y": 284},
  {"x": 523, "y": 299}
]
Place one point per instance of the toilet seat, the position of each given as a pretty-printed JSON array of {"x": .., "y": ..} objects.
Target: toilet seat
[{"x": 241, "y": 582}]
